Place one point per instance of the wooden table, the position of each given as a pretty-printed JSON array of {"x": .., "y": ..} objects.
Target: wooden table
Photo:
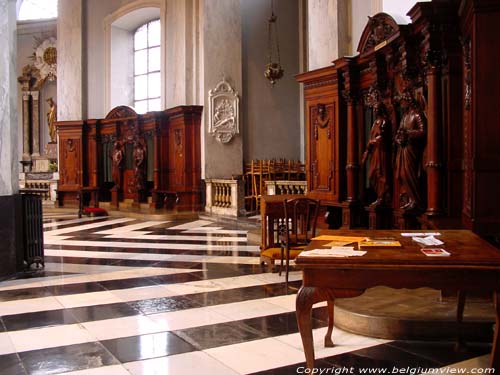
[
  {"x": 271, "y": 210},
  {"x": 474, "y": 265}
]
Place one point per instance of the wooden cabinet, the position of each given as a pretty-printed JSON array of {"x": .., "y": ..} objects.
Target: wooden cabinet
[
  {"x": 160, "y": 157},
  {"x": 325, "y": 138},
  {"x": 437, "y": 84}
]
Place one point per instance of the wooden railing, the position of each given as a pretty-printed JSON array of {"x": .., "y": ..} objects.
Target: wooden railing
[
  {"x": 257, "y": 172},
  {"x": 286, "y": 187}
]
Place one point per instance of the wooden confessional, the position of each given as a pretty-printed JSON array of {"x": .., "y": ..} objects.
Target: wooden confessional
[
  {"x": 405, "y": 134},
  {"x": 127, "y": 156}
]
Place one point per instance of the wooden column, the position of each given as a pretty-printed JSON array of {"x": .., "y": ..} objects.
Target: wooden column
[
  {"x": 434, "y": 163},
  {"x": 352, "y": 165}
]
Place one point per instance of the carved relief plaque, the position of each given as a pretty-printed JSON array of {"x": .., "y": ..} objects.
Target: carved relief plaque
[{"x": 223, "y": 107}]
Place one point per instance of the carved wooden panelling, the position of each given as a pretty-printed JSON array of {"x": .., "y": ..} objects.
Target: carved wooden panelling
[
  {"x": 323, "y": 148},
  {"x": 71, "y": 154}
]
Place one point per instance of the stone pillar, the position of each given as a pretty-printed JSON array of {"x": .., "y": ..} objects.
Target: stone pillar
[
  {"x": 221, "y": 57},
  {"x": 9, "y": 158},
  {"x": 70, "y": 87},
  {"x": 10, "y": 208},
  {"x": 35, "y": 121},
  {"x": 328, "y": 32},
  {"x": 26, "y": 126}
]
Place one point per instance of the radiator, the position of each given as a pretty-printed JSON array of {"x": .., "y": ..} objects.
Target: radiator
[{"x": 33, "y": 230}]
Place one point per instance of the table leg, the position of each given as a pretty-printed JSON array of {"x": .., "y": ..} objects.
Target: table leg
[
  {"x": 328, "y": 336},
  {"x": 306, "y": 297},
  {"x": 495, "y": 351}
]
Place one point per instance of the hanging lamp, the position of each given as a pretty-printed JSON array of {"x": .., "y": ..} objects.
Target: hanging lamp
[{"x": 273, "y": 71}]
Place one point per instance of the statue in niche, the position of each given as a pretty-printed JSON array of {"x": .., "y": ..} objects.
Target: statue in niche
[
  {"x": 378, "y": 148},
  {"x": 138, "y": 155},
  {"x": 410, "y": 142},
  {"x": 117, "y": 159},
  {"x": 51, "y": 119}
]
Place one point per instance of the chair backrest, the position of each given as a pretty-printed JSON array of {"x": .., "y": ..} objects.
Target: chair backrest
[{"x": 301, "y": 215}]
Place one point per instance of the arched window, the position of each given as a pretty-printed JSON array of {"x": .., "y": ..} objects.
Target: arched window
[
  {"x": 147, "y": 63},
  {"x": 37, "y": 9}
]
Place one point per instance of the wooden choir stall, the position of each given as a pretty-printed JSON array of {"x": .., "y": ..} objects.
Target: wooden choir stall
[
  {"x": 403, "y": 134},
  {"x": 131, "y": 157}
]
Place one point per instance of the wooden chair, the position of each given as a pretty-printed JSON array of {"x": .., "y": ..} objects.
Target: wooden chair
[{"x": 299, "y": 227}]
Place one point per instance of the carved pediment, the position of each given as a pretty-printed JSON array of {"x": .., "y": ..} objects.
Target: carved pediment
[
  {"x": 120, "y": 112},
  {"x": 380, "y": 28}
]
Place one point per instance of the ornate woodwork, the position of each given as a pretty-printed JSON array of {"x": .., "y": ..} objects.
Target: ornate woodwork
[
  {"x": 131, "y": 156},
  {"x": 442, "y": 65}
]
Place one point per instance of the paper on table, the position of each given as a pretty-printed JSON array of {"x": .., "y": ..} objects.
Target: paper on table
[
  {"x": 348, "y": 239},
  {"x": 336, "y": 252},
  {"x": 337, "y": 243},
  {"x": 428, "y": 241},
  {"x": 380, "y": 243},
  {"x": 420, "y": 234}
]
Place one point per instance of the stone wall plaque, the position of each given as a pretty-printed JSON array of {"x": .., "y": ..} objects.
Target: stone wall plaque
[{"x": 223, "y": 107}]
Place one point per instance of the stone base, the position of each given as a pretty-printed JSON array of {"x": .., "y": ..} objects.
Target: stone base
[
  {"x": 51, "y": 150},
  {"x": 413, "y": 314}
]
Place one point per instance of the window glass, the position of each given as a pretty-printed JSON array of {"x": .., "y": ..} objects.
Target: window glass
[
  {"x": 154, "y": 59},
  {"x": 154, "y": 85},
  {"x": 141, "y": 38},
  {"x": 141, "y": 62},
  {"x": 154, "y": 33},
  {"x": 141, "y": 106},
  {"x": 147, "y": 67},
  {"x": 154, "y": 105},
  {"x": 141, "y": 87},
  {"x": 37, "y": 9}
]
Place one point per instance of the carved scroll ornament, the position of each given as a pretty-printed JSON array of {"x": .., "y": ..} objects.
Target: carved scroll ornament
[{"x": 223, "y": 106}]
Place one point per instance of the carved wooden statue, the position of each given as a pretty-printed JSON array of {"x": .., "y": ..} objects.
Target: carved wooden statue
[
  {"x": 378, "y": 148},
  {"x": 139, "y": 154},
  {"x": 410, "y": 142},
  {"x": 117, "y": 159}
]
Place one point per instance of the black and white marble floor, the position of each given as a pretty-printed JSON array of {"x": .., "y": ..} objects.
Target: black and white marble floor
[{"x": 125, "y": 296}]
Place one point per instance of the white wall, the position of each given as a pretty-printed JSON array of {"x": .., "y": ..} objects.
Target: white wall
[
  {"x": 271, "y": 117},
  {"x": 95, "y": 11},
  {"x": 399, "y": 8}
]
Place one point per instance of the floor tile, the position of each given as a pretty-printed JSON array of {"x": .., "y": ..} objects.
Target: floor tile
[
  {"x": 187, "y": 363},
  {"x": 6, "y": 345},
  {"x": 442, "y": 352},
  {"x": 253, "y": 356},
  {"x": 10, "y": 364},
  {"x": 158, "y": 305},
  {"x": 67, "y": 358},
  {"x": 38, "y": 319},
  {"x": 30, "y": 305},
  {"x": 105, "y": 370},
  {"x": 101, "y": 312},
  {"x": 141, "y": 347},
  {"x": 176, "y": 320},
  {"x": 122, "y": 327},
  {"x": 87, "y": 299},
  {"x": 49, "y": 337},
  {"x": 216, "y": 335}
]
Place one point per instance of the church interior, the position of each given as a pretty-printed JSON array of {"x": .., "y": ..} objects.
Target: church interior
[{"x": 150, "y": 154}]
